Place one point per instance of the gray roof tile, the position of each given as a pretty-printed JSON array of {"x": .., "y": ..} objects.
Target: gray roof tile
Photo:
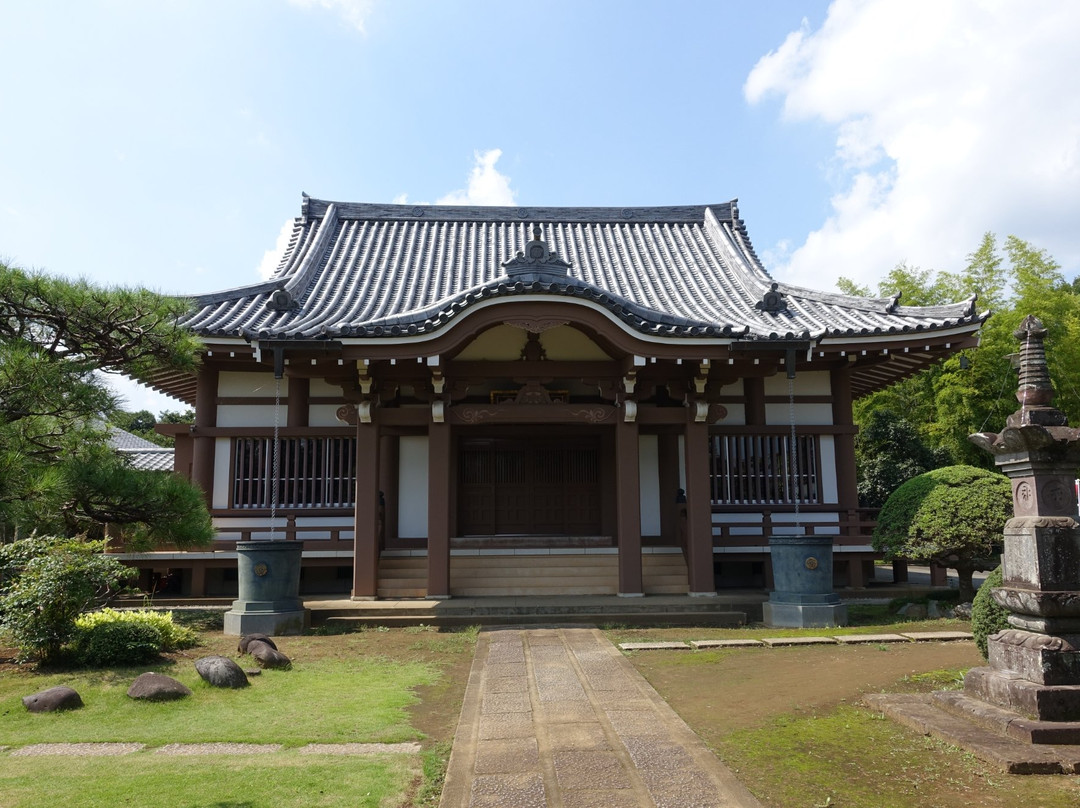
[{"x": 366, "y": 271}]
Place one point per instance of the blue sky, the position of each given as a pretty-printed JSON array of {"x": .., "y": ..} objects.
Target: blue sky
[{"x": 165, "y": 143}]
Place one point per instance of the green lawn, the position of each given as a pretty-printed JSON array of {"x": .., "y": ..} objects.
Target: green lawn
[
  {"x": 284, "y": 780},
  {"x": 322, "y": 701},
  {"x": 364, "y": 687}
]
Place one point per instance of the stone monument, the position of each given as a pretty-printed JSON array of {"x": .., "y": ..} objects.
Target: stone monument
[{"x": 1034, "y": 669}]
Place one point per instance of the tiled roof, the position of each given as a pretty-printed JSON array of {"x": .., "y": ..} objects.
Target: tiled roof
[
  {"x": 370, "y": 271},
  {"x": 139, "y": 452}
]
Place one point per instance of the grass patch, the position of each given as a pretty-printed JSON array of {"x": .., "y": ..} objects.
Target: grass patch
[
  {"x": 145, "y": 780},
  {"x": 854, "y": 758},
  {"x": 316, "y": 702}
]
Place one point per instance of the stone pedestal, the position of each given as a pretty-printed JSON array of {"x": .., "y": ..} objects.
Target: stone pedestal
[
  {"x": 803, "y": 594},
  {"x": 269, "y": 583}
]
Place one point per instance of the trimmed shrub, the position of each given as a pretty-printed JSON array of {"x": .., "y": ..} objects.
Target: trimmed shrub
[
  {"x": 163, "y": 633},
  {"x": 116, "y": 643},
  {"x": 987, "y": 617}
]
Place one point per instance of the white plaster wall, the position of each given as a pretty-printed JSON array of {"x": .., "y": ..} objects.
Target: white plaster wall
[
  {"x": 736, "y": 414},
  {"x": 222, "y": 472},
  {"x": 251, "y": 414},
  {"x": 649, "y": 483},
  {"x": 321, "y": 387},
  {"x": 235, "y": 383},
  {"x": 807, "y": 383},
  {"x": 829, "y": 492},
  {"x": 413, "y": 487},
  {"x": 780, "y": 414},
  {"x": 324, "y": 415}
]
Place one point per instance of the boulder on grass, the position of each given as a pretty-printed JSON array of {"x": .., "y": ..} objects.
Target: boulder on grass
[
  {"x": 247, "y": 639},
  {"x": 221, "y": 671},
  {"x": 268, "y": 656},
  {"x": 158, "y": 687},
  {"x": 53, "y": 700}
]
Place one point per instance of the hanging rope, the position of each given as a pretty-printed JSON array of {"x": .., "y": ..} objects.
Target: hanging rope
[
  {"x": 275, "y": 474},
  {"x": 794, "y": 450}
]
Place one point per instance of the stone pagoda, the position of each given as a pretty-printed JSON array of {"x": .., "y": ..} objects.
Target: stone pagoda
[{"x": 1034, "y": 669}]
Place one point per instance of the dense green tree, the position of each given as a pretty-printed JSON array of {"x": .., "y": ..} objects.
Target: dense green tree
[
  {"x": 974, "y": 392},
  {"x": 55, "y": 335},
  {"x": 954, "y": 516},
  {"x": 142, "y": 423},
  {"x": 46, "y": 582},
  {"x": 889, "y": 451}
]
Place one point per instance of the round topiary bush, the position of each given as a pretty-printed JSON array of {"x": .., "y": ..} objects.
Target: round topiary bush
[
  {"x": 954, "y": 516},
  {"x": 987, "y": 617}
]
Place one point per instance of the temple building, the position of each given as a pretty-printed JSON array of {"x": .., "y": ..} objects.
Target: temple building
[{"x": 516, "y": 400}]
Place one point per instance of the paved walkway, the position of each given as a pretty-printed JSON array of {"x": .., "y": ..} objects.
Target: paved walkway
[{"x": 558, "y": 717}]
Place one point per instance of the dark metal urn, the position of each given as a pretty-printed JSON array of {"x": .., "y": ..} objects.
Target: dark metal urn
[
  {"x": 802, "y": 595},
  {"x": 269, "y": 584}
]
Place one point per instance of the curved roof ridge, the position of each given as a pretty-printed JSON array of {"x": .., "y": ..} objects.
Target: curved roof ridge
[{"x": 317, "y": 209}]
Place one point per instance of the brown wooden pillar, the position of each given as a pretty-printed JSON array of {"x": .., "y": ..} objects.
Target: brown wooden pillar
[
  {"x": 628, "y": 497},
  {"x": 668, "y": 467},
  {"x": 366, "y": 543},
  {"x": 847, "y": 481},
  {"x": 699, "y": 544},
  {"x": 202, "y": 453},
  {"x": 389, "y": 458},
  {"x": 198, "y": 581},
  {"x": 438, "y": 550},
  {"x": 299, "y": 400},
  {"x": 754, "y": 391}
]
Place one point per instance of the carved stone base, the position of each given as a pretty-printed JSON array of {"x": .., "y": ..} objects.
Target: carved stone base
[
  {"x": 1039, "y": 658},
  {"x": 1011, "y": 691}
]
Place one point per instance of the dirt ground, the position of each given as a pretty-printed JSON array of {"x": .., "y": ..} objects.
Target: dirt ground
[
  {"x": 790, "y": 724},
  {"x": 746, "y": 687}
]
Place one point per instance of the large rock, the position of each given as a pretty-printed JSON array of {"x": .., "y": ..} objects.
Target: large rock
[
  {"x": 247, "y": 639},
  {"x": 221, "y": 671},
  {"x": 158, "y": 687},
  {"x": 52, "y": 700},
  {"x": 268, "y": 656}
]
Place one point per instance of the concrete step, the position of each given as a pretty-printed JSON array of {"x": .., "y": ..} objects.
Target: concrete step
[{"x": 695, "y": 618}]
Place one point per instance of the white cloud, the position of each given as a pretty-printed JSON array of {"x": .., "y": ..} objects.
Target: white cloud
[
  {"x": 952, "y": 117},
  {"x": 353, "y": 12},
  {"x": 272, "y": 257},
  {"x": 486, "y": 185}
]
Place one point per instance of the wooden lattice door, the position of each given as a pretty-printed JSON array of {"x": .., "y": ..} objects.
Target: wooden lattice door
[{"x": 535, "y": 485}]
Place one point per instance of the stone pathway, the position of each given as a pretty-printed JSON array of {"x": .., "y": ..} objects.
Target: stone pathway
[{"x": 558, "y": 717}]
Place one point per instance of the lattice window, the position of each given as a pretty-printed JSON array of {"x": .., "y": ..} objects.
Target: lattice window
[
  {"x": 758, "y": 470},
  {"x": 314, "y": 473}
]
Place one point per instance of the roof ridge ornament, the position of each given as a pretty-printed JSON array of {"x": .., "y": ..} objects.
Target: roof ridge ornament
[
  {"x": 281, "y": 300},
  {"x": 772, "y": 301},
  {"x": 537, "y": 257}
]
